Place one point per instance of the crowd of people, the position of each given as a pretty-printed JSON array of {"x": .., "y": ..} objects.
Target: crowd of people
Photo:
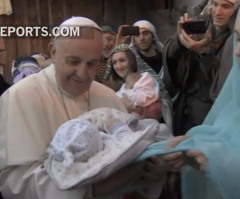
[{"x": 116, "y": 116}]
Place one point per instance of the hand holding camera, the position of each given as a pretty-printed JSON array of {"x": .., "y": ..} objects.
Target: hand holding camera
[
  {"x": 130, "y": 30},
  {"x": 125, "y": 32},
  {"x": 195, "y": 27},
  {"x": 187, "y": 29}
]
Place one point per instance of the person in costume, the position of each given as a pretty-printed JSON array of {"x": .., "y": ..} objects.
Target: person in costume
[
  {"x": 36, "y": 106},
  {"x": 214, "y": 144},
  {"x": 124, "y": 60},
  {"x": 196, "y": 65}
]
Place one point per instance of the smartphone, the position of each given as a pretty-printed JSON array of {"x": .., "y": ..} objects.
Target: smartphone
[
  {"x": 195, "y": 27},
  {"x": 130, "y": 31}
]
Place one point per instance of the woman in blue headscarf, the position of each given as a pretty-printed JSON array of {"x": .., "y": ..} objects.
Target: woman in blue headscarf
[{"x": 214, "y": 145}]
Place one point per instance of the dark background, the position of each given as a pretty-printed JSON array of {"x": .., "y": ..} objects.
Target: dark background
[{"x": 162, "y": 13}]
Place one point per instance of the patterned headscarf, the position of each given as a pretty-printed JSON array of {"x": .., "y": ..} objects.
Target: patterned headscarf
[{"x": 120, "y": 48}]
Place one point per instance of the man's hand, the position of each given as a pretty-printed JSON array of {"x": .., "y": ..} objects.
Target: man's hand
[
  {"x": 174, "y": 160},
  {"x": 120, "y": 39},
  {"x": 194, "y": 158},
  {"x": 188, "y": 41},
  {"x": 194, "y": 45},
  {"x": 153, "y": 169},
  {"x": 174, "y": 141},
  {"x": 199, "y": 160},
  {"x": 183, "y": 19}
]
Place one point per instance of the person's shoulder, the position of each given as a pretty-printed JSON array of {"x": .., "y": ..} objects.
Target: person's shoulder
[
  {"x": 102, "y": 96},
  {"x": 27, "y": 86},
  {"x": 99, "y": 87}
]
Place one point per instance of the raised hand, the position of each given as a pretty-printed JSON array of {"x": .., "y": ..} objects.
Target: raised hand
[
  {"x": 188, "y": 41},
  {"x": 120, "y": 39}
]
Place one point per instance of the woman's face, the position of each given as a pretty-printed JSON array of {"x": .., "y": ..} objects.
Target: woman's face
[{"x": 121, "y": 64}]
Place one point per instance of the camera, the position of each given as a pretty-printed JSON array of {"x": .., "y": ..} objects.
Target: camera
[
  {"x": 195, "y": 27},
  {"x": 130, "y": 31}
]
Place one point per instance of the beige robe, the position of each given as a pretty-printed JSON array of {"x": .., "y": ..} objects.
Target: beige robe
[{"x": 31, "y": 112}]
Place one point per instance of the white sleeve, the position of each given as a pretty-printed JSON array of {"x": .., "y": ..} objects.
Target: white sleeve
[{"x": 32, "y": 181}]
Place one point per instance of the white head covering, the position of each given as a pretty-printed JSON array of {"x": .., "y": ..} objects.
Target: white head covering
[
  {"x": 231, "y": 1},
  {"x": 147, "y": 25},
  {"x": 79, "y": 22}
]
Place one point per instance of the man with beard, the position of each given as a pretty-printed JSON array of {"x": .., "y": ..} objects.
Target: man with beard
[
  {"x": 103, "y": 69},
  {"x": 148, "y": 45}
]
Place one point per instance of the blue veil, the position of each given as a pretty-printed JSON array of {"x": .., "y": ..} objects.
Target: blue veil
[{"x": 219, "y": 139}]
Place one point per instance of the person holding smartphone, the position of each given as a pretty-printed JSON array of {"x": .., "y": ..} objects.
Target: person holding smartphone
[
  {"x": 148, "y": 50},
  {"x": 196, "y": 65},
  {"x": 144, "y": 38},
  {"x": 216, "y": 141},
  {"x": 124, "y": 60},
  {"x": 35, "y": 107}
]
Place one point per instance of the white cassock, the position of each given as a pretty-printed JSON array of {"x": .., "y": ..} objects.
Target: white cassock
[{"x": 31, "y": 112}]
